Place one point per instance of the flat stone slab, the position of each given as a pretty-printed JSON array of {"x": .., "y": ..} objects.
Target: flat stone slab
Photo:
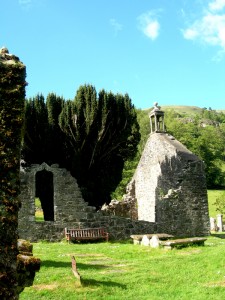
[{"x": 173, "y": 243}]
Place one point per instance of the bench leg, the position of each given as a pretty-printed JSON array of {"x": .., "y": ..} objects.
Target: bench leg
[{"x": 69, "y": 239}]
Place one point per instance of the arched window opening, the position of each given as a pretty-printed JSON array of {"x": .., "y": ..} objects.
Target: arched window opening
[{"x": 44, "y": 190}]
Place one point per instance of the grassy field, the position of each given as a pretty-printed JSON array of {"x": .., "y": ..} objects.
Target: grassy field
[{"x": 126, "y": 271}]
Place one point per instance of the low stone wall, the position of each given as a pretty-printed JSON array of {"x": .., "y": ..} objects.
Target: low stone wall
[
  {"x": 118, "y": 228},
  {"x": 70, "y": 210}
]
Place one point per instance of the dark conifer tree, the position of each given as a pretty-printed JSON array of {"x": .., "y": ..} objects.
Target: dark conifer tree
[
  {"x": 35, "y": 130},
  {"x": 43, "y": 139},
  {"x": 92, "y": 137},
  {"x": 55, "y": 139},
  {"x": 103, "y": 133}
]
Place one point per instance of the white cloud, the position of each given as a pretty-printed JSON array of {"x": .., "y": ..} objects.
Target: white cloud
[
  {"x": 152, "y": 29},
  {"x": 190, "y": 33},
  {"x": 217, "y": 5},
  {"x": 116, "y": 26},
  {"x": 209, "y": 29},
  {"x": 149, "y": 25}
]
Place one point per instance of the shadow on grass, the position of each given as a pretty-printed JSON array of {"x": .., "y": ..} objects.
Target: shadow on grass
[
  {"x": 126, "y": 241},
  {"x": 94, "y": 283},
  {"x": 218, "y": 235},
  {"x": 80, "y": 266},
  {"x": 55, "y": 264}
]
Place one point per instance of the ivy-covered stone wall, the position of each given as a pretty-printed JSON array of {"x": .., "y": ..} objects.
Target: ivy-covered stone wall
[{"x": 12, "y": 95}]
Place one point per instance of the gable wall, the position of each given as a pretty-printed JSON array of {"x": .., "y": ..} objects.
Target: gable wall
[{"x": 170, "y": 187}]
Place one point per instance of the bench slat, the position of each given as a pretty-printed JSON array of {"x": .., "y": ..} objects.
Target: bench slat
[{"x": 86, "y": 233}]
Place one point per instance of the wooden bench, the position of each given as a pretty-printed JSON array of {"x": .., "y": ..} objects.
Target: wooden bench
[
  {"x": 86, "y": 234},
  {"x": 137, "y": 238},
  {"x": 183, "y": 242}
]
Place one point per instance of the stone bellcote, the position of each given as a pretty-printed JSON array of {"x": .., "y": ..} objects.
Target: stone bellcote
[{"x": 157, "y": 119}]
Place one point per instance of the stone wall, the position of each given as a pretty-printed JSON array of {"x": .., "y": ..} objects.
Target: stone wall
[
  {"x": 126, "y": 208},
  {"x": 70, "y": 210},
  {"x": 170, "y": 188},
  {"x": 168, "y": 194}
]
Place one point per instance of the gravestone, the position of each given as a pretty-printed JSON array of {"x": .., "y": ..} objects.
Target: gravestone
[
  {"x": 220, "y": 222},
  {"x": 145, "y": 241},
  {"x": 213, "y": 225},
  {"x": 154, "y": 242}
]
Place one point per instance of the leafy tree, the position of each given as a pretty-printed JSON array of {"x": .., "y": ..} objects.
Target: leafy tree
[
  {"x": 206, "y": 142},
  {"x": 210, "y": 148},
  {"x": 220, "y": 203}
]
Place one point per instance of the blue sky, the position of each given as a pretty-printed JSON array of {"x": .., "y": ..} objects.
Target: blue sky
[{"x": 169, "y": 51}]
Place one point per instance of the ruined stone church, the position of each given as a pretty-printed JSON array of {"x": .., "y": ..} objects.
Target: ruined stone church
[{"x": 167, "y": 194}]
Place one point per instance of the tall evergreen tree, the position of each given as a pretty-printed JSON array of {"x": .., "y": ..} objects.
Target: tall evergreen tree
[
  {"x": 55, "y": 137},
  {"x": 43, "y": 139},
  {"x": 91, "y": 136},
  {"x": 102, "y": 132},
  {"x": 35, "y": 130}
]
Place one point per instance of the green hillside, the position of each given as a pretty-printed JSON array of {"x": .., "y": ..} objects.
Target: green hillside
[
  {"x": 189, "y": 110},
  {"x": 185, "y": 109}
]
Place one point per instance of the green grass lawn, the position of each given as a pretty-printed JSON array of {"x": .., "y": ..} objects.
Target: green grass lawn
[
  {"x": 212, "y": 195},
  {"x": 127, "y": 271},
  {"x": 39, "y": 216}
]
